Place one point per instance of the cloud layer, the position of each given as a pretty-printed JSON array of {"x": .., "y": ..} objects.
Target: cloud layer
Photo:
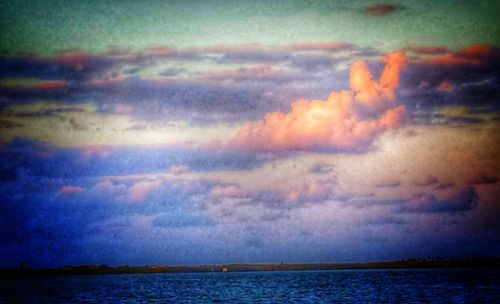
[{"x": 109, "y": 161}]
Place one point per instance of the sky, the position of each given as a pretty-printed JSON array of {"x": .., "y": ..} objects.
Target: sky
[{"x": 210, "y": 132}]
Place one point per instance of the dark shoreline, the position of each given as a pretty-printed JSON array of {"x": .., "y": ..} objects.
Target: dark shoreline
[{"x": 400, "y": 264}]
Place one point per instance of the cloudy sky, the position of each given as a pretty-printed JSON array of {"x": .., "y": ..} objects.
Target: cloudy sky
[{"x": 196, "y": 132}]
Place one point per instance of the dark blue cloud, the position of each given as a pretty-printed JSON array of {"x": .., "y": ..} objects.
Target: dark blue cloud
[
  {"x": 482, "y": 180},
  {"x": 172, "y": 72},
  {"x": 43, "y": 160},
  {"x": 321, "y": 168},
  {"x": 80, "y": 68},
  {"x": 474, "y": 85},
  {"x": 179, "y": 219},
  {"x": 463, "y": 201},
  {"x": 198, "y": 103},
  {"x": 200, "y": 100}
]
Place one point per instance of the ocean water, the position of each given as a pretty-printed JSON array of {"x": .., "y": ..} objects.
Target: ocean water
[{"x": 336, "y": 286}]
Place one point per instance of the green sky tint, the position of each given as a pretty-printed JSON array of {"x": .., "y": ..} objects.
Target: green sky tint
[{"x": 45, "y": 27}]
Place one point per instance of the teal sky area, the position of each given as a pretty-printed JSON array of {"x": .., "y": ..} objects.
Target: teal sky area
[{"x": 44, "y": 27}]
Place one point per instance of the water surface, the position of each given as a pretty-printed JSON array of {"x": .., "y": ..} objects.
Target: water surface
[{"x": 335, "y": 286}]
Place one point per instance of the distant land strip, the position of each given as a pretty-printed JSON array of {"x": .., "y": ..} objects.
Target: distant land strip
[{"x": 491, "y": 262}]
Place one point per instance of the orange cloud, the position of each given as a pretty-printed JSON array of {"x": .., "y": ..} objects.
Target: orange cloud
[
  {"x": 371, "y": 92},
  {"x": 445, "y": 86},
  {"x": 472, "y": 55},
  {"x": 348, "y": 119},
  {"x": 70, "y": 190},
  {"x": 51, "y": 84},
  {"x": 380, "y": 9}
]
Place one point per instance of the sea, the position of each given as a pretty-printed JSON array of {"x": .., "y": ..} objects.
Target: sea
[{"x": 332, "y": 286}]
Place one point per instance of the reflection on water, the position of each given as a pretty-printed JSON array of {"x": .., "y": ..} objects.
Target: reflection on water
[{"x": 337, "y": 286}]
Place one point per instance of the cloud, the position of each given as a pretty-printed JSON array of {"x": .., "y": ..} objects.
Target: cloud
[
  {"x": 443, "y": 186},
  {"x": 482, "y": 180},
  {"x": 68, "y": 66},
  {"x": 41, "y": 109},
  {"x": 172, "y": 72},
  {"x": 445, "y": 86},
  {"x": 466, "y": 77},
  {"x": 181, "y": 220},
  {"x": 70, "y": 190},
  {"x": 427, "y": 181},
  {"x": 178, "y": 169},
  {"x": 348, "y": 119},
  {"x": 310, "y": 191},
  {"x": 51, "y": 84},
  {"x": 9, "y": 124},
  {"x": 227, "y": 191},
  {"x": 140, "y": 189},
  {"x": 426, "y": 50},
  {"x": 87, "y": 152},
  {"x": 371, "y": 92},
  {"x": 218, "y": 92},
  {"x": 259, "y": 72},
  {"x": 388, "y": 184},
  {"x": 472, "y": 55},
  {"x": 197, "y": 85},
  {"x": 381, "y": 9},
  {"x": 427, "y": 203},
  {"x": 186, "y": 100},
  {"x": 321, "y": 168},
  {"x": 320, "y": 46}
]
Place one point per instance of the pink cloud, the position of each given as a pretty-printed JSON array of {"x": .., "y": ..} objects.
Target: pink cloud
[
  {"x": 70, "y": 190},
  {"x": 139, "y": 190},
  {"x": 73, "y": 57},
  {"x": 88, "y": 151},
  {"x": 347, "y": 119},
  {"x": 76, "y": 60},
  {"x": 226, "y": 191},
  {"x": 309, "y": 191},
  {"x": 178, "y": 169},
  {"x": 123, "y": 109}
]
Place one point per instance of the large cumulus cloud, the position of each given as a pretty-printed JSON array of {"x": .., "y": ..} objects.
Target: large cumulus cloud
[{"x": 348, "y": 119}]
